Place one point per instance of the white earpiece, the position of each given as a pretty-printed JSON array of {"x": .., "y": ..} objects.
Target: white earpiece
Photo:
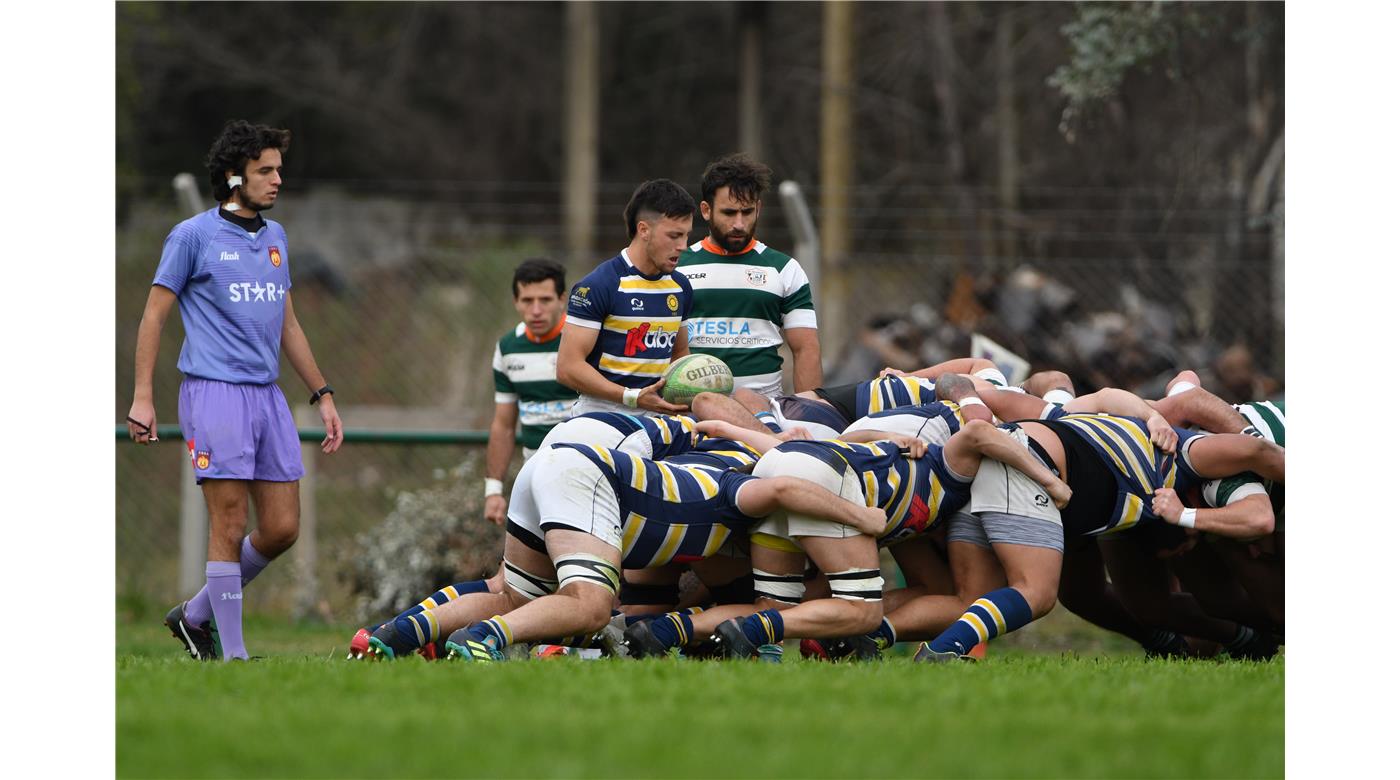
[{"x": 235, "y": 181}]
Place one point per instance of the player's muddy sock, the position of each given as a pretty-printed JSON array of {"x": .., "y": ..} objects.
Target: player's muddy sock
[
  {"x": 494, "y": 629},
  {"x": 1242, "y": 638},
  {"x": 996, "y": 613},
  {"x": 673, "y": 629},
  {"x": 883, "y": 635},
  {"x": 764, "y": 628},
  {"x": 250, "y": 564},
  {"x": 445, "y": 595},
  {"x": 419, "y": 630},
  {"x": 225, "y": 587}
]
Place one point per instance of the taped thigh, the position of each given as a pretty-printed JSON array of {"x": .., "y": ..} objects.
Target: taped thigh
[
  {"x": 782, "y": 588},
  {"x": 582, "y": 567},
  {"x": 527, "y": 584},
  {"x": 857, "y": 584}
]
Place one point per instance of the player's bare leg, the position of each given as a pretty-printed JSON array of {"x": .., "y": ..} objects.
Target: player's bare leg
[
  {"x": 278, "y": 505},
  {"x": 588, "y": 571},
  {"x": 715, "y": 406}
]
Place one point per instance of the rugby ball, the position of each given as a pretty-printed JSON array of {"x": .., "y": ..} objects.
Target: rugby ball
[{"x": 695, "y": 374}]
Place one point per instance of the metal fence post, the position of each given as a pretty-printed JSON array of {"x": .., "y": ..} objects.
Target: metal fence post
[
  {"x": 194, "y": 533},
  {"x": 308, "y": 593}
]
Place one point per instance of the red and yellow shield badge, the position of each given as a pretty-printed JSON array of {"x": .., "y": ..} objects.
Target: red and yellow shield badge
[
  {"x": 275, "y": 255},
  {"x": 201, "y": 460}
]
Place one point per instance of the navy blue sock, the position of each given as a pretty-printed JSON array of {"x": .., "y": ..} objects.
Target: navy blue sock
[
  {"x": 764, "y": 628},
  {"x": 991, "y": 616},
  {"x": 673, "y": 629},
  {"x": 883, "y": 634}
]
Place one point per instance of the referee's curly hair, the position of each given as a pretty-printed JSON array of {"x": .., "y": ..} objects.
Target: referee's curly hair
[{"x": 239, "y": 142}]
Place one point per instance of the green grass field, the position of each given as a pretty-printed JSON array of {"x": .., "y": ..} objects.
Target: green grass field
[{"x": 306, "y": 712}]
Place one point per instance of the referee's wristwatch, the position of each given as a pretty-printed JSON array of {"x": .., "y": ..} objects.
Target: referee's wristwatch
[{"x": 325, "y": 390}]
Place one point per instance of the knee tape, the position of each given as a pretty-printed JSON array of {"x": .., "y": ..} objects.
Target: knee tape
[
  {"x": 528, "y": 585},
  {"x": 857, "y": 584},
  {"x": 582, "y": 567},
  {"x": 782, "y": 588}
]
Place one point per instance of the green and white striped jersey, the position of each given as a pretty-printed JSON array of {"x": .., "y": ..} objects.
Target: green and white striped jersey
[
  {"x": 743, "y": 303},
  {"x": 525, "y": 375},
  {"x": 1266, "y": 417}
]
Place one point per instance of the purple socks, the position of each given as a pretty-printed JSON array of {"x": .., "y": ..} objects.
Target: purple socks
[
  {"x": 225, "y": 592},
  {"x": 226, "y": 603}
]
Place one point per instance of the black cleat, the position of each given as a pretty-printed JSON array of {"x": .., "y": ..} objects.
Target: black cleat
[
  {"x": 641, "y": 643},
  {"x": 732, "y": 641},
  {"x": 863, "y": 648},
  {"x": 1261, "y": 647},
  {"x": 197, "y": 640}
]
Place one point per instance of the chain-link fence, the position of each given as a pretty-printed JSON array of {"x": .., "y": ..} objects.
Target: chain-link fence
[{"x": 404, "y": 294}]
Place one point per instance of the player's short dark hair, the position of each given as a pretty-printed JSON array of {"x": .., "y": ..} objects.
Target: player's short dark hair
[
  {"x": 239, "y": 142},
  {"x": 660, "y": 197},
  {"x": 538, "y": 269},
  {"x": 746, "y": 178}
]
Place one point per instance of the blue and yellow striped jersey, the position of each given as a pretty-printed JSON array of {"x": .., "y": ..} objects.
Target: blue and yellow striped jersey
[
  {"x": 1139, "y": 468},
  {"x": 670, "y": 511},
  {"x": 935, "y": 422},
  {"x": 893, "y": 392},
  {"x": 916, "y": 495},
  {"x": 717, "y": 453},
  {"x": 637, "y": 318}
]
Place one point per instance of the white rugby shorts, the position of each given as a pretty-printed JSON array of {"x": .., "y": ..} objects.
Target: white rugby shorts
[
  {"x": 776, "y": 463},
  {"x": 999, "y": 488}
]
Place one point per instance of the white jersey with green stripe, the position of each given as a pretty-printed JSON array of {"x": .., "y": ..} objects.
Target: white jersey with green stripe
[
  {"x": 743, "y": 302},
  {"x": 1266, "y": 418},
  {"x": 524, "y": 373}
]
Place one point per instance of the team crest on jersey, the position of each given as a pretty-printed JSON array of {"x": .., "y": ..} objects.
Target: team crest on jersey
[
  {"x": 757, "y": 276},
  {"x": 275, "y": 255},
  {"x": 201, "y": 460},
  {"x": 672, "y": 302}
]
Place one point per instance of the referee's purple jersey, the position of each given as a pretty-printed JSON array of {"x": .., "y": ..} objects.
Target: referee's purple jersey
[{"x": 231, "y": 288}]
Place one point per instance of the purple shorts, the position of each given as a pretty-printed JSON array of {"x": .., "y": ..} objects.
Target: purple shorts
[{"x": 238, "y": 431}]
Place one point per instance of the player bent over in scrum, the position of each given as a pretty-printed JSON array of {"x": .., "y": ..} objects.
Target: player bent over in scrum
[
  {"x": 913, "y": 486},
  {"x": 587, "y": 513}
]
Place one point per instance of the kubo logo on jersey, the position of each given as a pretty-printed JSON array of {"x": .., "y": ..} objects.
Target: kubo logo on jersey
[
  {"x": 917, "y": 519},
  {"x": 643, "y": 338},
  {"x": 275, "y": 255}
]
